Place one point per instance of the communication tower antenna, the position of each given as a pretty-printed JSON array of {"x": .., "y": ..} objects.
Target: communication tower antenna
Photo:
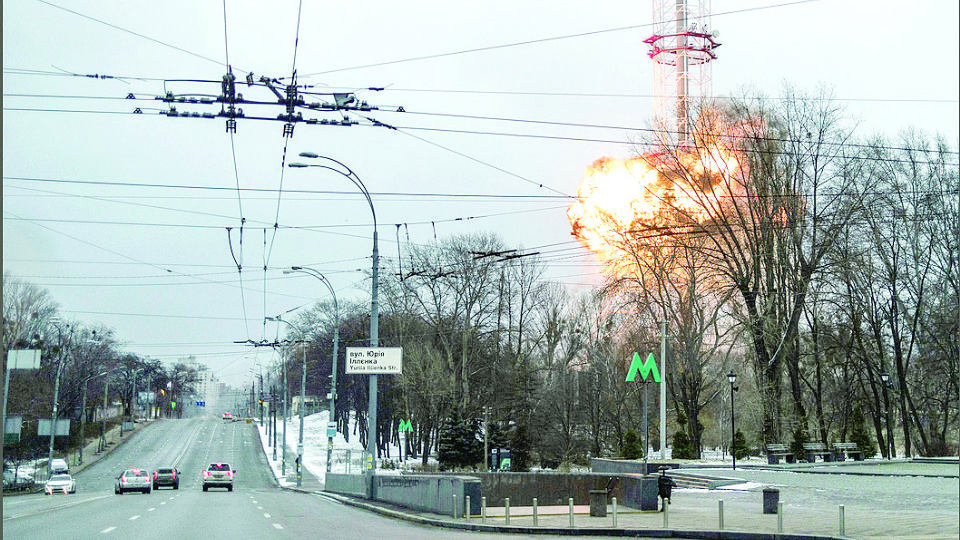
[{"x": 682, "y": 47}]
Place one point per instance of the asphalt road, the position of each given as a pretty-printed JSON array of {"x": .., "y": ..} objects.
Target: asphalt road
[{"x": 256, "y": 509}]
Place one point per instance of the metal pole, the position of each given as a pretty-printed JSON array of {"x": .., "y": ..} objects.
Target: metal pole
[
  {"x": 283, "y": 453},
  {"x": 303, "y": 390},
  {"x": 53, "y": 418},
  {"x": 733, "y": 429},
  {"x": 83, "y": 420},
  {"x": 103, "y": 417},
  {"x": 663, "y": 390},
  {"x": 646, "y": 429}
]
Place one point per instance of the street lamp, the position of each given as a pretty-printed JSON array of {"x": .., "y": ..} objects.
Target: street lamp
[
  {"x": 332, "y": 417},
  {"x": 885, "y": 377},
  {"x": 56, "y": 393},
  {"x": 374, "y": 315},
  {"x": 732, "y": 377}
]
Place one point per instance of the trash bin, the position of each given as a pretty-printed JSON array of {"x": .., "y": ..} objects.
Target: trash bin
[
  {"x": 665, "y": 486},
  {"x": 771, "y": 498},
  {"x": 598, "y": 503}
]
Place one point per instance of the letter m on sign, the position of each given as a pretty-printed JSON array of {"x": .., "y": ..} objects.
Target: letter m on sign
[
  {"x": 405, "y": 425},
  {"x": 645, "y": 368}
]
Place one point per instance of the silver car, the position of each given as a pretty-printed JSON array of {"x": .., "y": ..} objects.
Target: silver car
[
  {"x": 133, "y": 480},
  {"x": 218, "y": 475},
  {"x": 60, "y": 483}
]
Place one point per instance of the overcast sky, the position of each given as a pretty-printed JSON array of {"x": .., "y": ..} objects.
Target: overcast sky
[{"x": 123, "y": 217}]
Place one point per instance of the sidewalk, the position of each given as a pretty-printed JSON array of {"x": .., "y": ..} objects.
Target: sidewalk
[{"x": 310, "y": 483}]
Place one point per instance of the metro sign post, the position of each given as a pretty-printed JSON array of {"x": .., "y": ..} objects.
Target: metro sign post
[
  {"x": 373, "y": 361},
  {"x": 645, "y": 368}
]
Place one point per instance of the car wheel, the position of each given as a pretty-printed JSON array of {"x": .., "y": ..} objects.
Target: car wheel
[
  {"x": 155, "y": 486},
  {"x": 176, "y": 486},
  {"x": 118, "y": 491},
  {"x": 204, "y": 488},
  {"x": 229, "y": 488},
  {"x": 147, "y": 491}
]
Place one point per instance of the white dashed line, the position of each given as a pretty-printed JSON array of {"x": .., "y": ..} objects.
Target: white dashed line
[
  {"x": 266, "y": 516},
  {"x": 259, "y": 508},
  {"x": 150, "y": 509},
  {"x": 277, "y": 526},
  {"x": 134, "y": 517},
  {"x": 108, "y": 529}
]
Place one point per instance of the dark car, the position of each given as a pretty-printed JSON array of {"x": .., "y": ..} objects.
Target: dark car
[{"x": 166, "y": 477}]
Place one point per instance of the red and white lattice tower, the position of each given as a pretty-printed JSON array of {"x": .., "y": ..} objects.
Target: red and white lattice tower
[{"x": 682, "y": 47}]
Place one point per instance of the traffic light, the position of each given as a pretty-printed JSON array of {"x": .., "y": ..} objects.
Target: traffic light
[
  {"x": 163, "y": 392},
  {"x": 260, "y": 401}
]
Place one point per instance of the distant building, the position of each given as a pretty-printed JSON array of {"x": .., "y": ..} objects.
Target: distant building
[{"x": 311, "y": 404}]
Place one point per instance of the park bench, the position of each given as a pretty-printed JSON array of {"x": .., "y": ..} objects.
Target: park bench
[
  {"x": 842, "y": 449},
  {"x": 812, "y": 450},
  {"x": 776, "y": 451}
]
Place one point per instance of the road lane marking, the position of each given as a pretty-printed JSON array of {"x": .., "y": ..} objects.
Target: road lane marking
[
  {"x": 266, "y": 516},
  {"x": 277, "y": 526},
  {"x": 134, "y": 517},
  {"x": 150, "y": 509},
  {"x": 108, "y": 529}
]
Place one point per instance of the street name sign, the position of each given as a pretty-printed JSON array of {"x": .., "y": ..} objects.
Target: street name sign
[{"x": 374, "y": 360}]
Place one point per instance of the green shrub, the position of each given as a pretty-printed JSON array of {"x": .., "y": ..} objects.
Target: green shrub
[{"x": 632, "y": 448}]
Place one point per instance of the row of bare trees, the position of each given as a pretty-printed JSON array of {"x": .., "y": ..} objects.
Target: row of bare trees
[{"x": 90, "y": 360}]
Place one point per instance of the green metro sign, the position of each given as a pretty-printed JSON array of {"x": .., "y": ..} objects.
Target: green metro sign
[{"x": 645, "y": 368}]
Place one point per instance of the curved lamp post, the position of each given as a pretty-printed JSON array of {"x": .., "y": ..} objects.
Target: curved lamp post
[
  {"x": 374, "y": 314},
  {"x": 331, "y": 420}
]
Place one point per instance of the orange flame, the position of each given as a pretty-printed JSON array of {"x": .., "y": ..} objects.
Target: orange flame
[{"x": 619, "y": 198}]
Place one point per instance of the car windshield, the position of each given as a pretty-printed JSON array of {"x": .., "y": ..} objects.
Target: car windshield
[
  {"x": 219, "y": 467},
  {"x": 59, "y": 477},
  {"x": 136, "y": 472},
  {"x": 165, "y": 471}
]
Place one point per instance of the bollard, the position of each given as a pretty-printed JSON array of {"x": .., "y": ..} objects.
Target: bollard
[
  {"x": 483, "y": 509},
  {"x": 770, "y": 498},
  {"x": 570, "y": 502},
  {"x": 455, "y": 516},
  {"x": 843, "y": 526},
  {"x": 721, "y": 514},
  {"x": 614, "y": 502},
  {"x": 534, "y": 511},
  {"x": 779, "y": 517},
  {"x": 466, "y": 502},
  {"x": 666, "y": 515},
  {"x": 506, "y": 509}
]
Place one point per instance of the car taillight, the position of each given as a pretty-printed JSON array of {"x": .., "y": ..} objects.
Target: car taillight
[
  {"x": 174, "y": 475},
  {"x": 230, "y": 474},
  {"x": 123, "y": 478},
  {"x": 154, "y": 475},
  {"x": 206, "y": 474}
]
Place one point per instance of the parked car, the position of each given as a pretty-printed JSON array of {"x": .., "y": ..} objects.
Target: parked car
[
  {"x": 16, "y": 479},
  {"x": 59, "y": 466},
  {"x": 227, "y": 416},
  {"x": 60, "y": 483},
  {"x": 166, "y": 477},
  {"x": 218, "y": 475},
  {"x": 133, "y": 480}
]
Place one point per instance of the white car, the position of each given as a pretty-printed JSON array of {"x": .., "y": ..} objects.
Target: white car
[{"x": 63, "y": 483}]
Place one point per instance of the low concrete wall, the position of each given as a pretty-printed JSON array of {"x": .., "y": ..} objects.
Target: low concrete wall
[
  {"x": 550, "y": 488},
  {"x": 355, "y": 485},
  {"x": 431, "y": 493},
  {"x": 628, "y": 466}
]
